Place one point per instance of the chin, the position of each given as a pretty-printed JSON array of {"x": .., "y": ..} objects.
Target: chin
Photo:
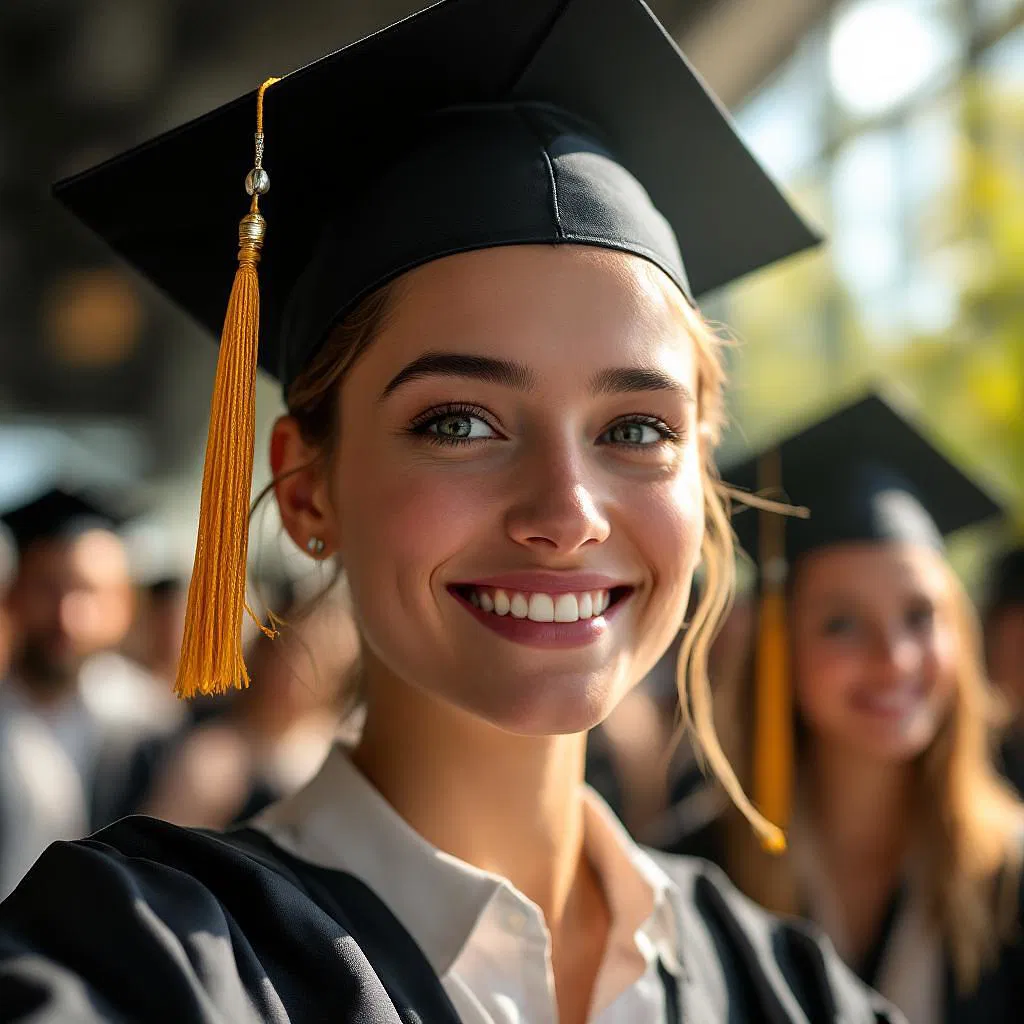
[
  {"x": 897, "y": 747},
  {"x": 546, "y": 705}
]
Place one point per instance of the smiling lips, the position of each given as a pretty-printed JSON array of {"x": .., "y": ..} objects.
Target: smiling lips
[{"x": 545, "y": 610}]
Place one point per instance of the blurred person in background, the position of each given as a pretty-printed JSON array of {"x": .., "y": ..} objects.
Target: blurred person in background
[
  {"x": 71, "y": 710},
  {"x": 273, "y": 736},
  {"x": 905, "y": 846},
  {"x": 161, "y": 623},
  {"x": 1004, "y": 653},
  {"x": 503, "y": 406}
]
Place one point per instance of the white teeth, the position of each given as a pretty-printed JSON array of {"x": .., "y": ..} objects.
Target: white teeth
[
  {"x": 566, "y": 608},
  {"x": 541, "y": 608}
]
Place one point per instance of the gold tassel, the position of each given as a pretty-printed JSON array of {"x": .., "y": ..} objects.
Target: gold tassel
[
  {"x": 211, "y": 652},
  {"x": 773, "y": 730}
]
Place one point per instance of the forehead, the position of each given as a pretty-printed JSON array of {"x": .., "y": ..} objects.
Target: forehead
[
  {"x": 94, "y": 556},
  {"x": 874, "y": 569},
  {"x": 554, "y": 307}
]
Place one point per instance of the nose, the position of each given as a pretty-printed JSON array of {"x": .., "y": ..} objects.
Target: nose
[
  {"x": 898, "y": 656},
  {"x": 559, "y": 510}
]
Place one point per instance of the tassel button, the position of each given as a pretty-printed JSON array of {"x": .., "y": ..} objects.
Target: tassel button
[{"x": 257, "y": 182}]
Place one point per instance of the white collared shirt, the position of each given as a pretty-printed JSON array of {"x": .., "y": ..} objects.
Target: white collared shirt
[{"x": 486, "y": 941}]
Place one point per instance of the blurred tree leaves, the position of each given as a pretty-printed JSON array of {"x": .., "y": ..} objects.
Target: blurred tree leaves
[{"x": 806, "y": 343}]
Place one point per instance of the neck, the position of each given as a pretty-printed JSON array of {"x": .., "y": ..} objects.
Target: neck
[
  {"x": 508, "y": 804},
  {"x": 861, "y": 808}
]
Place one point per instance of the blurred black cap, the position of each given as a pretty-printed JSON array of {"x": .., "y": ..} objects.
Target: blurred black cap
[
  {"x": 866, "y": 474},
  {"x": 58, "y": 514}
]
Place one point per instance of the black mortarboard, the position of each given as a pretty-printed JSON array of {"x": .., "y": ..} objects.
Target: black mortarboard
[
  {"x": 542, "y": 99},
  {"x": 57, "y": 514},
  {"x": 864, "y": 473},
  {"x": 474, "y": 124}
]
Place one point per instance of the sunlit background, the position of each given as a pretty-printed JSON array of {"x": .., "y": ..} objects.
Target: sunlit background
[{"x": 898, "y": 126}]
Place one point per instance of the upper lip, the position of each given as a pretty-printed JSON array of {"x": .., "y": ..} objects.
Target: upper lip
[{"x": 539, "y": 582}]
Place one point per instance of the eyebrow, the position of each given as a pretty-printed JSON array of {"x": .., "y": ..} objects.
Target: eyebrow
[
  {"x": 454, "y": 364},
  {"x": 612, "y": 381},
  {"x": 625, "y": 379}
]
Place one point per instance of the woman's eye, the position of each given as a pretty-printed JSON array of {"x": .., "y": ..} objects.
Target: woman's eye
[
  {"x": 454, "y": 427},
  {"x": 839, "y": 625},
  {"x": 638, "y": 432},
  {"x": 920, "y": 619}
]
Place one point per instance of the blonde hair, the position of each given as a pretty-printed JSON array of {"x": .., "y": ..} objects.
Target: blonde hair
[
  {"x": 971, "y": 823},
  {"x": 311, "y": 400}
]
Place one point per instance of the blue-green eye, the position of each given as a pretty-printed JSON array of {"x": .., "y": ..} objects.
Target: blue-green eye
[
  {"x": 638, "y": 432},
  {"x": 453, "y": 425},
  {"x": 459, "y": 427}
]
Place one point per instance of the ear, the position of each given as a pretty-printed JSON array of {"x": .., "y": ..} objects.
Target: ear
[{"x": 300, "y": 486}]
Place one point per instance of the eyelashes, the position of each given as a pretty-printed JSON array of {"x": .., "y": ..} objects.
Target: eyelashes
[
  {"x": 459, "y": 424},
  {"x": 454, "y": 425}
]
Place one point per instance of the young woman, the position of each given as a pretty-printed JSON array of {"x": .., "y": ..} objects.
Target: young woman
[
  {"x": 502, "y": 411},
  {"x": 905, "y": 845}
]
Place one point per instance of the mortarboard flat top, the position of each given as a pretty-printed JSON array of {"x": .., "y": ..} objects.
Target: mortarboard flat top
[
  {"x": 472, "y": 124},
  {"x": 865, "y": 473},
  {"x": 55, "y": 514}
]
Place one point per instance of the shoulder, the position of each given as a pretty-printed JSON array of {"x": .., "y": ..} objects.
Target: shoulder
[
  {"x": 768, "y": 967},
  {"x": 149, "y": 921}
]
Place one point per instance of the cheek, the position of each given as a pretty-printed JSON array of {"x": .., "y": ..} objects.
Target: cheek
[
  {"x": 940, "y": 662},
  {"x": 665, "y": 525},
  {"x": 824, "y": 672},
  {"x": 399, "y": 527},
  {"x": 666, "y": 522}
]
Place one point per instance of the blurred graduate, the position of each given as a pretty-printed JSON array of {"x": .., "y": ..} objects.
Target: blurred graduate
[
  {"x": 862, "y": 720},
  {"x": 72, "y": 711}
]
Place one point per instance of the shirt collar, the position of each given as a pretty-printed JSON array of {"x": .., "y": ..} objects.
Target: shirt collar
[{"x": 341, "y": 822}]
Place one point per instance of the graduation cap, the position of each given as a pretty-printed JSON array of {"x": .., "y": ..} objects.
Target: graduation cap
[
  {"x": 58, "y": 514},
  {"x": 864, "y": 473},
  {"x": 474, "y": 124}
]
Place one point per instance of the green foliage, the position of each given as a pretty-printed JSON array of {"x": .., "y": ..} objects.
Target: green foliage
[{"x": 806, "y": 343}]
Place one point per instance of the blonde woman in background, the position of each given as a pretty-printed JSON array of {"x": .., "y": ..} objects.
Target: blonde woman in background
[{"x": 905, "y": 845}]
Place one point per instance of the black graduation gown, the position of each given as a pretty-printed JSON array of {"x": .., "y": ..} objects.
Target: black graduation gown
[
  {"x": 149, "y": 922},
  {"x": 999, "y": 995}
]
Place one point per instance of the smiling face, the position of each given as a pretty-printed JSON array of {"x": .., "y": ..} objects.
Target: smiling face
[
  {"x": 515, "y": 491},
  {"x": 874, "y": 647}
]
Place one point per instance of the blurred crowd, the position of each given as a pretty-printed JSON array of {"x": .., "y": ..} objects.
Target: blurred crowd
[{"x": 90, "y": 729}]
